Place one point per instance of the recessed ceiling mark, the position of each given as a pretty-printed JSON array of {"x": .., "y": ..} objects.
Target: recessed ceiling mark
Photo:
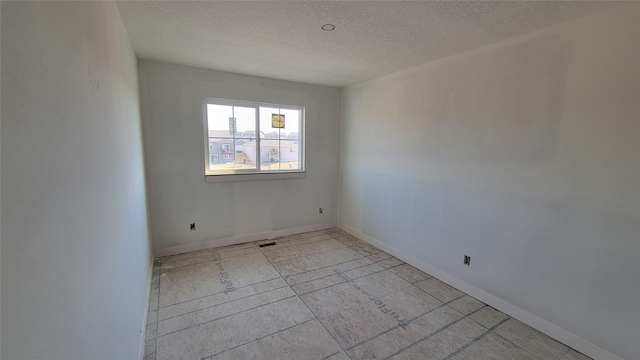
[{"x": 328, "y": 27}]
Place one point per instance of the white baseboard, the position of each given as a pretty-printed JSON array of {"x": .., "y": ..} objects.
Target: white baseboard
[
  {"x": 515, "y": 312},
  {"x": 143, "y": 333},
  {"x": 242, "y": 239}
]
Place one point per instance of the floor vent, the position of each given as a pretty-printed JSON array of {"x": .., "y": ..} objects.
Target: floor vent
[{"x": 267, "y": 244}]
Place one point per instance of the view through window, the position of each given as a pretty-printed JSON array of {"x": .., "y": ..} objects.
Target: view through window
[{"x": 247, "y": 138}]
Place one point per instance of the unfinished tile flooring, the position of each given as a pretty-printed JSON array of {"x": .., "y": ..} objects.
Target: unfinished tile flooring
[{"x": 323, "y": 295}]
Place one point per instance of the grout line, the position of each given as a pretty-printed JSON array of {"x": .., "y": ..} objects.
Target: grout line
[
  {"x": 226, "y": 316},
  {"x": 409, "y": 322},
  {"x": 309, "y": 254},
  {"x": 351, "y": 243},
  {"x": 325, "y": 328},
  {"x": 360, "y": 256},
  {"x": 328, "y": 266},
  {"x": 208, "y": 256},
  {"x": 518, "y": 346},
  {"x": 433, "y": 333},
  {"x": 312, "y": 254},
  {"x": 219, "y": 292},
  {"x": 333, "y": 274},
  {"x": 311, "y": 312},
  {"x": 565, "y": 353},
  {"x": 257, "y": 339},
  {"x": 478, "y": 338},
  {"x": 226, "y": 302},
  {"x": 329, "y": 356},
  {"x": 205, "y": 252},
  {"x": 344, "y": 281},
  {"x": 285, "y": 241}
]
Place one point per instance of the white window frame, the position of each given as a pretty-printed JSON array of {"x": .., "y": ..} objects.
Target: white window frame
[{"x": 253, "y": 174}]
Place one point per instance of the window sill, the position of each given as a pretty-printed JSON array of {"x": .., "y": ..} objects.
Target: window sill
[{"x": 254, "y": 176}]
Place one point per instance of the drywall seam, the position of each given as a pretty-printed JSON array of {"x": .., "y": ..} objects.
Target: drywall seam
[
  {"x": 143, "y": 333},
  {"x": 514, "y": 311},
  {"x": 241, "y": 239}
]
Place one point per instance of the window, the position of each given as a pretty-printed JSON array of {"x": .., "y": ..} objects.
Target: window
[{"x": 253, "y": 139}]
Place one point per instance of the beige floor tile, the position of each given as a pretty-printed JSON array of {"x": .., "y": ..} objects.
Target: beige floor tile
[
  {"x": 327, "y": 271},
  {"x": 152, "y": 317},
  {"x": 388, "y": 343},
  {"x": 439, "y": 290},
  {"x": 209, "y": 256},
  {"x": 357, "y": 324},
  {"x": 195, "y": 281},
  {"x": 492, "y": 347},
  {"x": 444, "y": 342},
  {"x": 531, "y": 340},
  {"x": 363, "y": 271},
  {"x": 339, "y": 298},
  {"x": 150, "y": 349},
  {"x": 410, "y": 302},
  {"x": 466, "y": 304},
  {"x": 207, "y": 252},
  {"x": 344, "y": 237},
  {"x": 216, "y": 336},
  {"x": 574, "y": 355},
  {"x": 335, "y": 279},
  {"x": 381, "y": 283},
  {"x": 297, "y": 239},
  {"x": 488, "y": 316},
  {"x": 194, "y": 318},
  {"x": 362, "y": 296},
  {"x": 390, "y": 262},
  {"x": 282, "y": 252},
  {"x": 339, "y": 356},
  {"x": 313, "y": 262},
  {"x": 150, "y": 332},
  {"x": 409, "y": 273},
  {"x": 154, "y": 298},
  {"x": 219, "y": 298},
  {"x": 365, "y": 249},
  {"x": 379, "y": 256},
  {"x": 362, "y": 247},
  {"x": 305, "y": 341}
]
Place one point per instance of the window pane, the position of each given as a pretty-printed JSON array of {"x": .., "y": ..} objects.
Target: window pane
[
  {"x": 231, "y": 137},
  {"x": 229, "y": 154},
  {"x": 280, "y": 131},
  {"x": 245, "y": 119},
  {"x": 232, "y": 143},
  {"x": 279, "y": 155},
  {"x": 289, "y": 128},
  {"x": 218, "y": 117}
]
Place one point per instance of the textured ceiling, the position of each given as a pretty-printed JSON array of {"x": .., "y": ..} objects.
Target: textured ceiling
[{"x": 283, "y": 39}]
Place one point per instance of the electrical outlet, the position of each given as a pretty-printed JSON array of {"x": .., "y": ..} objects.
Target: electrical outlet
[
  {"x": 320, "y": 211},
  {"x": 192, "y": 227},
  {"x": 467, "y": 260}
]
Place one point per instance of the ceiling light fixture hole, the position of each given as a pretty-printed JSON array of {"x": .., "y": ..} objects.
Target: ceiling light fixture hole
[{"x": 328, "y": 27}]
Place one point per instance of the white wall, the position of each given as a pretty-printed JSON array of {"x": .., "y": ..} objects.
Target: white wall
[
  {"x": 171, "y": 100},
  {"x": 525, "y": 156},
  {"x": 75, "y": 244}
]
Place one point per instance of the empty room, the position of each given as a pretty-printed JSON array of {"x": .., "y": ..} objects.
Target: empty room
[{"x": 320, "y": 180}]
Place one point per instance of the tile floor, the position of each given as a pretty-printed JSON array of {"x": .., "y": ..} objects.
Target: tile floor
[{"x": 323, "y": 295}]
